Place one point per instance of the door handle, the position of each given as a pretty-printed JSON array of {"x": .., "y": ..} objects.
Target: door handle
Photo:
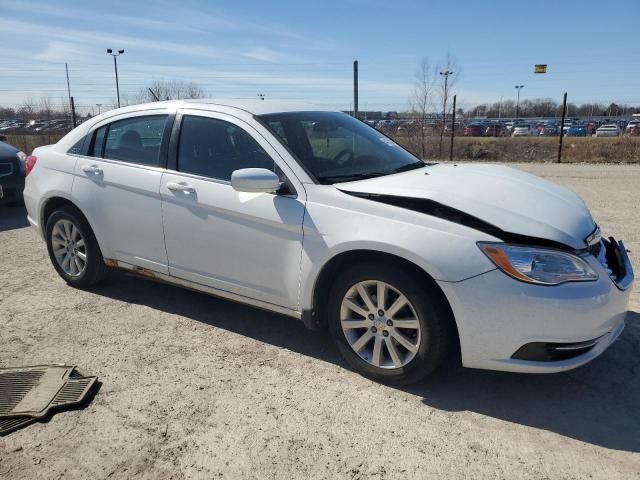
[
  {"x": 94, "y": 169},
  {"x": 180, "y": 187}
]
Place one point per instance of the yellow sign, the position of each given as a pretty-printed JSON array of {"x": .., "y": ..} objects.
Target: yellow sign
[{"x": 540, "y": 68}]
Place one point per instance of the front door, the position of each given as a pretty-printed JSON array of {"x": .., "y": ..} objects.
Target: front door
[{"x": 248, "y": 244}]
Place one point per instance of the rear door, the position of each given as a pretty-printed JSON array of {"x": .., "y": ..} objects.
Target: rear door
[
  {"x": 247, "y": 244},
  {"x": 117, "y": 186}
]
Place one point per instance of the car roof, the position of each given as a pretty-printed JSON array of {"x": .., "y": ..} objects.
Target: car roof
[{"x": 253, "y": 106}]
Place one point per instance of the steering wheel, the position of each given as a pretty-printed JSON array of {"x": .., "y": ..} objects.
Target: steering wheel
[{"x": 347, "y": 153}]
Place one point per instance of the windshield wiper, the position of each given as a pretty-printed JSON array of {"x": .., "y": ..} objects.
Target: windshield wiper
[
  {"x": 347, "y": 177},
  {"x": 410, "y": 166}
]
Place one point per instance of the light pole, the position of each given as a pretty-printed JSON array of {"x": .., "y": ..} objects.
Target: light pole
[
  {"x": 115, "y": 65},
  {"x": 518, "y": 88},
  {"x": 99, "y": 105},
  {"x": 444, "y": 105}
]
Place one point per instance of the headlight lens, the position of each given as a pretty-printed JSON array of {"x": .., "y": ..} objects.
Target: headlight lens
[
  {"x": 22, "y": 157},
  {"x": 538, "y": 265}
]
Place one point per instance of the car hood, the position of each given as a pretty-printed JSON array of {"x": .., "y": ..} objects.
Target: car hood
[{"x": 512, "y": 200}]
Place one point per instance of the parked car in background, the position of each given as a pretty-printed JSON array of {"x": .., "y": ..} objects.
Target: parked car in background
[
  {"x": 576, "y": 131},
  {"x": 631, "y": 125},
  {"x": 524, "y": 130},
  {"x": 12, "y": 169},
  {"x": 609, "y": 130},
  {"x": 308, "y": 212},
  {"x": 634, "y": 131},
  {"x": 496, "y": 130},
  {"x": 474, "y": 130},
  {"x": 550, "y": 130}
]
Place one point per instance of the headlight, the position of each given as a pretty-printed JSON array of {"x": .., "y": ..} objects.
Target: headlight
[
  {"x": 543, "y": 266},
  {"x": 22, "y": 157}
]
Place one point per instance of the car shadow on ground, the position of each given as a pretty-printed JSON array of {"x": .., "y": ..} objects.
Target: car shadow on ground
[
  {"x": 12, "y": 217},
  {"x": 597, "y": 403}
]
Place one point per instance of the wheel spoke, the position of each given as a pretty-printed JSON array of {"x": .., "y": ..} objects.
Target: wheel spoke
[
  {"x": 393, "y": 352},
  {"x": 411, "y": 323},
  {"x": 59, "y": 252},
  {"x": 351, "y": 305},
  {"x": 351, "y": 324},
  {"x": 72, "y": 266},
  {"x": 67, "y": 230},
  {"x": 75, "y": 233},
  {"x": 362, "y": 341},
  {"x": 65, "y": 262},
  {"x": 80, "y": 243},
  {"x": 365, "y": 297},
  {"x": 78, "y": 263},
  {"x": 376, "y": 359},
  {"x": 381, "y": 295},
  {"x": 404, "y": 341},
  {"x": 400, "y": 302},
  {"x": 82, "y": 256}
]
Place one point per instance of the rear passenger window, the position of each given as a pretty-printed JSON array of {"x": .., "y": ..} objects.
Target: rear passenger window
[
  {"x": 135, "y": 140},
  {"x": 215, "y": 148}
]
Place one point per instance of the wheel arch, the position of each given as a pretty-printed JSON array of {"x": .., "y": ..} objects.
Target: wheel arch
[
  {"x": 315, "y": 318},
  {"x": 56, "y": 202}
]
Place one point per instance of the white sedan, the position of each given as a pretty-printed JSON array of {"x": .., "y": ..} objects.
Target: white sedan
[
  {"x": 609, "y": 130},
  {"x": 313, "y": 214},
  {"x": 524, "y": 131}
]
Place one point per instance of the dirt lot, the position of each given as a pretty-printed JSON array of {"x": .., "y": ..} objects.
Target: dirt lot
[{"x": 197, "y": 387}]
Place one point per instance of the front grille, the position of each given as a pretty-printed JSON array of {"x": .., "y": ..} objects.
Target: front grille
[{"x": 6, "y": 169}]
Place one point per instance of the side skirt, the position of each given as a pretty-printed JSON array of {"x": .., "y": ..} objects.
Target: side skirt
[{"x": 171, "y": 280}]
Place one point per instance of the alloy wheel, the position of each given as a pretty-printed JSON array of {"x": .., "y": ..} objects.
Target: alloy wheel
[
  {"x": 380, "y": 324},
  {"x": 69, "y": 248}
]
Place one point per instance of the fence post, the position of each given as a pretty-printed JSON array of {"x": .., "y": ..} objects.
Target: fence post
[
  {"x": 453, "y": 127},
  {"x": 564, "y": 112}
]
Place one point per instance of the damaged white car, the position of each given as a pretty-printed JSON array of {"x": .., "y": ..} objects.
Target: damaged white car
[{"x": 314, "y": 214}]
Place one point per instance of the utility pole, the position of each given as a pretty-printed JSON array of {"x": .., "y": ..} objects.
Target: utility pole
[
  {"x": 115, "y": 65},
  {"x": 518, "y": 88},
  {"x": 444, "y": 105},
  {"x": 453, "y": 127},
  {"x": 355, "y": 88},
  {"x": 564, "y": 111},
  {"x": 66, "y": 67}
]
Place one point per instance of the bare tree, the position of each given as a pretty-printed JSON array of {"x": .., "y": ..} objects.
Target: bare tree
[
  {"x": 170, "y": 90},
  {"x": 421, "y": 100}
]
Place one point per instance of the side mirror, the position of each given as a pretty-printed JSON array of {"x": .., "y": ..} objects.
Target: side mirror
[{"x": 255, "y": 180}]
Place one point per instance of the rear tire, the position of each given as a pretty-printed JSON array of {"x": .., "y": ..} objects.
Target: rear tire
[
  {"x": 376, "y": 345},
  {"x": 73, "y": 249}
]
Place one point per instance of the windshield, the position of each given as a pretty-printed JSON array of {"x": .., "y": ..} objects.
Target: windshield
[{"x": 335, "y": 147}]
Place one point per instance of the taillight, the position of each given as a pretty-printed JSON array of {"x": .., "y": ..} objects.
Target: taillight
[{"x": 30, "y": 162}]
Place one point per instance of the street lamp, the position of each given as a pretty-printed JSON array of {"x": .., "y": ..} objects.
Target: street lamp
[
  {"x": 444, "y": 105},
  {"x": 518, "y": 88},
  {"x": 115, "y": 64}
]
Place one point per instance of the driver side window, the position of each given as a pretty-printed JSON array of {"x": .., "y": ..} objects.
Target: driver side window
[{"x": 214, "y": 148}]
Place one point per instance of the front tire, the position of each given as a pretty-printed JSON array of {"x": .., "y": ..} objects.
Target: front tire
[
  {"x": 388, "y": 325},
  {"x": 73, "y": 249}
]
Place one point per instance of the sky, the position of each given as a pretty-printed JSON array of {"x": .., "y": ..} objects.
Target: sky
[{"x": 305, "y": 50}]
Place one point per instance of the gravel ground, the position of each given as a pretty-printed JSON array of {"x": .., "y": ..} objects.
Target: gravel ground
[{"x": 198, "y": 387}]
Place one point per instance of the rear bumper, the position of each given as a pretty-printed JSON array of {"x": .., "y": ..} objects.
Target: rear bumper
[
  {"x": 11, "y": 190},
  {"x": 497, "y": 317}
]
